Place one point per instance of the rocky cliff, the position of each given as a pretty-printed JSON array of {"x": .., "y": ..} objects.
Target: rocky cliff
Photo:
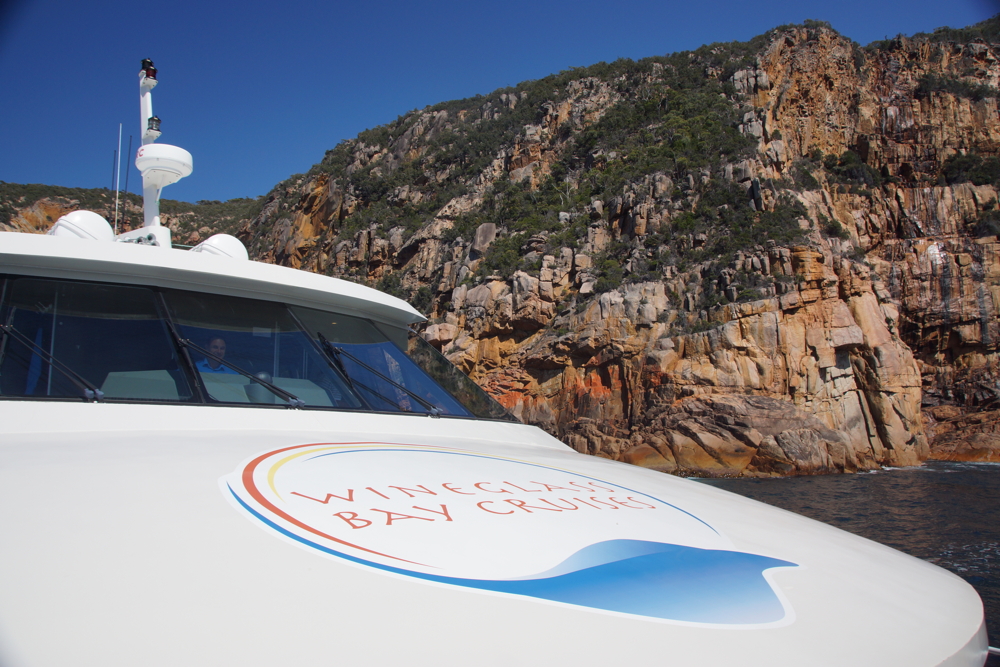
[
  {"x": 774, "y": 257},
  {"x": 771, "y": 257}
]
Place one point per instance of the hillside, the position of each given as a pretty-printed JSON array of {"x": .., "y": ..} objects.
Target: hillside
[
  {"x": 33, "y": 209},
  {"x": 769, "y": 257}
]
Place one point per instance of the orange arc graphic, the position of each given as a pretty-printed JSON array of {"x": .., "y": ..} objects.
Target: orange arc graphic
[{"x": 249, "y": 485}]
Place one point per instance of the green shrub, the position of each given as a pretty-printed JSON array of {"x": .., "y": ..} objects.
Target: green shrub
[
  {"x": 503, "y": 256},
  {"x": 833, "y": 228},
  {"x": 803, "y": 177},
  {"x": 703, "y": 325},
  {"x": 848, "y": 168},
  {"x": 988, "y": 221},
  {"x": 749, "y": 294},
  {"x": 392, "y": 284},
  {"x": 960, "y": 168},
  {"x": 610, "y": 274},
  {"x": 935, "y": 83},
  {"x": 423, "y": 299}
]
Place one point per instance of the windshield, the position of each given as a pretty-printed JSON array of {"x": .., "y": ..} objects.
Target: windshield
[
  {"x": 113, "y": 336},
  {"x": 75, "y": 339},
  {"x": 261, "y": 339},
  {"x": 378, "y": 369}
]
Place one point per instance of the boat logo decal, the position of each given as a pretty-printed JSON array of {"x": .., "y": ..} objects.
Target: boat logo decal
[{"x": 509, "y": 526}]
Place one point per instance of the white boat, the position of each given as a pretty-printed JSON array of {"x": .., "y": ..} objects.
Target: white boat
[{"x": 207, "y": 460}]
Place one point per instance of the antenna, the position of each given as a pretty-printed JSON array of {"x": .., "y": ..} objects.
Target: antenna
[
  {"x": 127, "y": 172},
  {"x": 159, "y": 164},
  {"x": 118, "y": 173}
]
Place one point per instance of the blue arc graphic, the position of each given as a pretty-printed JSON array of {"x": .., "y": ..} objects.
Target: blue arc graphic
[{"x": 654, "y": 579}]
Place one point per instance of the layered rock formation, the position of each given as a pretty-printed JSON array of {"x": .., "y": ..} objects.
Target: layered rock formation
[
  {"x": 803, "y": 357},
  {"x": 615, "y": 380}
]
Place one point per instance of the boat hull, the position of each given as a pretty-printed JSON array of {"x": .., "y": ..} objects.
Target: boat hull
[{"x": 205, "y": 535}]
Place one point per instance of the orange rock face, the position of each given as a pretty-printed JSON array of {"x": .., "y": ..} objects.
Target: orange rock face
[{"x": 851, "y": 336}]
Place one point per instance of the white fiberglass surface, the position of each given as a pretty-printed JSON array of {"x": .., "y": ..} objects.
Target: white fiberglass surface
[
  {"x": 127, "y": 538},
  {"x": 54, "y": 257},
  {"x": 189, "y": 518}
]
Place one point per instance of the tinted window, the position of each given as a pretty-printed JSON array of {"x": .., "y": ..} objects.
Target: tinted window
[
  {"x": 460, "y": 385},
  {"x": 111, "y": 335},
  {"x": 262, "y": 339},
  {"x": 75, "y": 339},
  {"x": 378, "y": 369}
]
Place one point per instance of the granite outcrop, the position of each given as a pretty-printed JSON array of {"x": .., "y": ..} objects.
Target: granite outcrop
[{"x": 869, "y": 341}]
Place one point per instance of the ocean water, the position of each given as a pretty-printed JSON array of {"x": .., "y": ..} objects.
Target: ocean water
[{"x": 945, "y": 513}]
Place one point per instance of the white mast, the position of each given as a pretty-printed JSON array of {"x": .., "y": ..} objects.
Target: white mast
[{"x": 160, "y": 164}]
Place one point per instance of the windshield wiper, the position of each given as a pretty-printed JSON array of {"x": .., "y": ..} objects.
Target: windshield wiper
[
  {"x": 90, "y": 391},
  {"x": 334, "y": 353},
  {"x": 331, "y": 353},
  {"x": 293, "y": 400}
]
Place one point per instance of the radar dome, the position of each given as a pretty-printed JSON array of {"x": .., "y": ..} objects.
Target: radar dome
[
  {"x": 223, "y": 245},
  {"x": 163, "y": 164},
  {"x": 83, "y": 225}
]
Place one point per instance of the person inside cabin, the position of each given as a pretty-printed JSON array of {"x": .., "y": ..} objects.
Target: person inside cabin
[{"x": 216, "y": 346}]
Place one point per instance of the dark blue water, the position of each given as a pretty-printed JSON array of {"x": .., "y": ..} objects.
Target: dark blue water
[{"x": 945, "y": 513}]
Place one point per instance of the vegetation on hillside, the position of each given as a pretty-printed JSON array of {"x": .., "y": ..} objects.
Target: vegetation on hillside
[
  {"x": 973, "y": 90},
  {"x": 988, "y": 31},
  {"x": 15, "y": 196},
  {"x": 220, "y": 217},
  {"x": 675, "y": 119},
  {"x": 971, "y": 168},
  {"x": 675, "y": 116}
]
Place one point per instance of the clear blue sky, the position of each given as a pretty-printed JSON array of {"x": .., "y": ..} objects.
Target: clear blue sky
[{"x": 258, "y": 91}]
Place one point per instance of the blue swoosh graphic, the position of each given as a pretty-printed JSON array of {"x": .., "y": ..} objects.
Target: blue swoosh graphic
[
  {"x": 660, "y": 580},
  {"x": 655, "y": 579},
  {"x": 600, "y": 554}
]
